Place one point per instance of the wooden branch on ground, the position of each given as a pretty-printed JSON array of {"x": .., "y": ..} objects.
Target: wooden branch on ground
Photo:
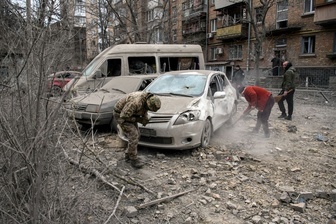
[
  {"x": 91, "y": 171},
  {"x": 157, "y": 201},
  {"x": 116, "y": 206}
]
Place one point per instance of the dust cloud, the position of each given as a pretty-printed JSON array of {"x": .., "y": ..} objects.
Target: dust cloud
[{"x": 241, "y": 138}]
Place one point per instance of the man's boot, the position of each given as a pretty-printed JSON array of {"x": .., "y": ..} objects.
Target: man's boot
[
  {"x": 137, "y": 163},
  {"x": 289, "y": 117},
  {"x": 283, "y": 115},
  {"x": 127, "y": 157}
]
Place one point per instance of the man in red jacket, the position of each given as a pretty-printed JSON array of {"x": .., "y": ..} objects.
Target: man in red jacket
[{"x": 263, "y": 101}]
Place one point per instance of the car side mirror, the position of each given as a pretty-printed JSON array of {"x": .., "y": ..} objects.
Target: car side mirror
[
  {"x": 219, "y": 95},
  {"x": 97, "y": 74}
]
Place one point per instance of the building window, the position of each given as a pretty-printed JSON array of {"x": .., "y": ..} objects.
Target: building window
[
  {"x": 235, "y": 52},
  {"x": 213, "y": 54},
  {"x": 309, "y": 6},
  {"x": 213, "y": 25},
  {"x": 308, "y": 45},
  {"x": 259, "y": 14},
  {"x": 150, "y": 15},
  {"x": 281, "y": 42},
  {"x": 282, "y": 14}
]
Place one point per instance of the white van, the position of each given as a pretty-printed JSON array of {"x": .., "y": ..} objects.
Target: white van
[{"x": 136, "y": 59}]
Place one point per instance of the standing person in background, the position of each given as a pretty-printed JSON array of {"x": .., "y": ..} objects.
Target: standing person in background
[
  {"x": 238, "y": 78},
  {"x": 287, "y": 91},
  {"x": 130, "y": 110},
  {"x": 263, "y": 101},
  {"x": 276, "y": 63}
]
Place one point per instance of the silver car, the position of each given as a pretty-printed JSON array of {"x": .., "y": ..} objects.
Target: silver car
[
  {"x": 194, "y": 104},
  {"x": 96, "y": 108}
]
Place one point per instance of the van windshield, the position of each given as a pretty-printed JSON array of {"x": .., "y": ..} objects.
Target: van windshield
[{"x": 89, "y": 69}]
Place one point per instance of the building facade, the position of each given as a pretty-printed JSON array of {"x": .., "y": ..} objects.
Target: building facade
[{"x": 303, "y": 32}]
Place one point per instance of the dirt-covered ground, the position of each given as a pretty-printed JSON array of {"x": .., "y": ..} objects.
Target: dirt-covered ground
[{"x": 241, "y": 178}]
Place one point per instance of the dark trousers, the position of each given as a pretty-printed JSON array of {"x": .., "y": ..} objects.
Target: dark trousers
[
  {"x": 290, "y": 102},
  {"x": 263, "y": 116}
]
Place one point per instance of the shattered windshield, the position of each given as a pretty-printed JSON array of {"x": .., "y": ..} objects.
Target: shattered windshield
[{"x": 183, "y": 85}]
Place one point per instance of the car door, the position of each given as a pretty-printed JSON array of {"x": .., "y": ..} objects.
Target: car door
[{"x": 220, "y": 104}]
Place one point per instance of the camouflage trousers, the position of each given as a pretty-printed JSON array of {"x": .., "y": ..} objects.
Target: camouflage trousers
[{"x": 131, "y": 132}]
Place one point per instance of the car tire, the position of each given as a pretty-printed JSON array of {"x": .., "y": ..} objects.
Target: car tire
[
  {"x": 206, "y": 134},
  {"x": 56, "y": 91}
]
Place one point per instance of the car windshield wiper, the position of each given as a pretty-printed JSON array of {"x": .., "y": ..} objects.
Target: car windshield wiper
[
  {"x": 180, "y": 94},
  {"x": 119, "y": 90},
  {"x": 104, "y": 90}
]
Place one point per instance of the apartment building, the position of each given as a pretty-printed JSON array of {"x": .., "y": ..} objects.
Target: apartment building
[{"x": 303, "y": 32}]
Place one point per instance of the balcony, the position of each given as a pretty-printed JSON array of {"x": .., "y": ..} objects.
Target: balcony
[
  {"x": 272, "y": 30},
  {"x": 231, "y": 32},
  {"x": 325, "y": 13},
  {"x": 195, "y": 12},
  {"x": 186, "y": 32}
]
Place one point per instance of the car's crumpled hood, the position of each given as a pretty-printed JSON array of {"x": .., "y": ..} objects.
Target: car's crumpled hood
[
  {"x": 176, "y": 104},
  {"x": 97, "y": 98}
]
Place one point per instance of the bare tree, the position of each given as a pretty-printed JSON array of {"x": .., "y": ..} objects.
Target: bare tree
[{"x": 33, "y": 46}]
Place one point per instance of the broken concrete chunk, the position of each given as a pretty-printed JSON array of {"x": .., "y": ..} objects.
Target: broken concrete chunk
[
  {"x": 306, "y": 195},
  {"x": 287, "y": 188},
  {"x": 131, "y": 211},
  {"x": 160, "y": 156},
  {"x": 322, "y": 194},
  {"x": 300, "y": 207},
  {"x": 284, "y": 197},
  {"x": 333, "y": 195},
  {"x": 231, "y": 205}
]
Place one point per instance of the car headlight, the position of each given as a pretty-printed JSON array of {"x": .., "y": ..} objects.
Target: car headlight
[
  {"x": 188, "y": 116},
  {"x": 92, "y": 108}
]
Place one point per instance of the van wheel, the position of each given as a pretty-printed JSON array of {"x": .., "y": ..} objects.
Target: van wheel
[{"x": 206, "y": 134}]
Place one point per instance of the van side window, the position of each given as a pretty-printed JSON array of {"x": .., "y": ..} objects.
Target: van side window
[
  {"x": 114, "y": 67},
  {"x": 141, "y": 65},
  {"x": 110, "y": 68},
  {"x": 178, "y": 63}
]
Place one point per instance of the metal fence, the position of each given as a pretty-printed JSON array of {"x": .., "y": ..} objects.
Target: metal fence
[{"x": 316, "y": 85}]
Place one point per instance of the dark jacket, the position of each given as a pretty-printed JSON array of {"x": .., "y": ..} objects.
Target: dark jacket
[
  {"x": 238, "y": 76},
  {"x": 288, "y": 81}
]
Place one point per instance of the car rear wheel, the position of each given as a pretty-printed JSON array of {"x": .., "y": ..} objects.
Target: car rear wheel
[
  {"x": 56, "y": 91},
  {"x": 206, "y": 134}
]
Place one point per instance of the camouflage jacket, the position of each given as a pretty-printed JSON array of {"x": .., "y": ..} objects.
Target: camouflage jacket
[{"x": 132, "y": 106}]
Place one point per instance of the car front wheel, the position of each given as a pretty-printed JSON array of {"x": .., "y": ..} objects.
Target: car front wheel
[{"x": 206, "y": 134}]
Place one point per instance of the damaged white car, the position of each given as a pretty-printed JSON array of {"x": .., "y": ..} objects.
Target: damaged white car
[{"x": 194, "y": 104}]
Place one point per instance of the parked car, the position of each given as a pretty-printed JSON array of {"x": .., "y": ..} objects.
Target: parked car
[
  {"x": 58, "y": 80},
  {"x": 194, "y": 104},
  {"x": 96, "y": 108}
]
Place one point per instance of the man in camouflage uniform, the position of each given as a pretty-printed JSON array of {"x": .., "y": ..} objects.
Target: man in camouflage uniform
[{"x": 128, "y": 112}]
